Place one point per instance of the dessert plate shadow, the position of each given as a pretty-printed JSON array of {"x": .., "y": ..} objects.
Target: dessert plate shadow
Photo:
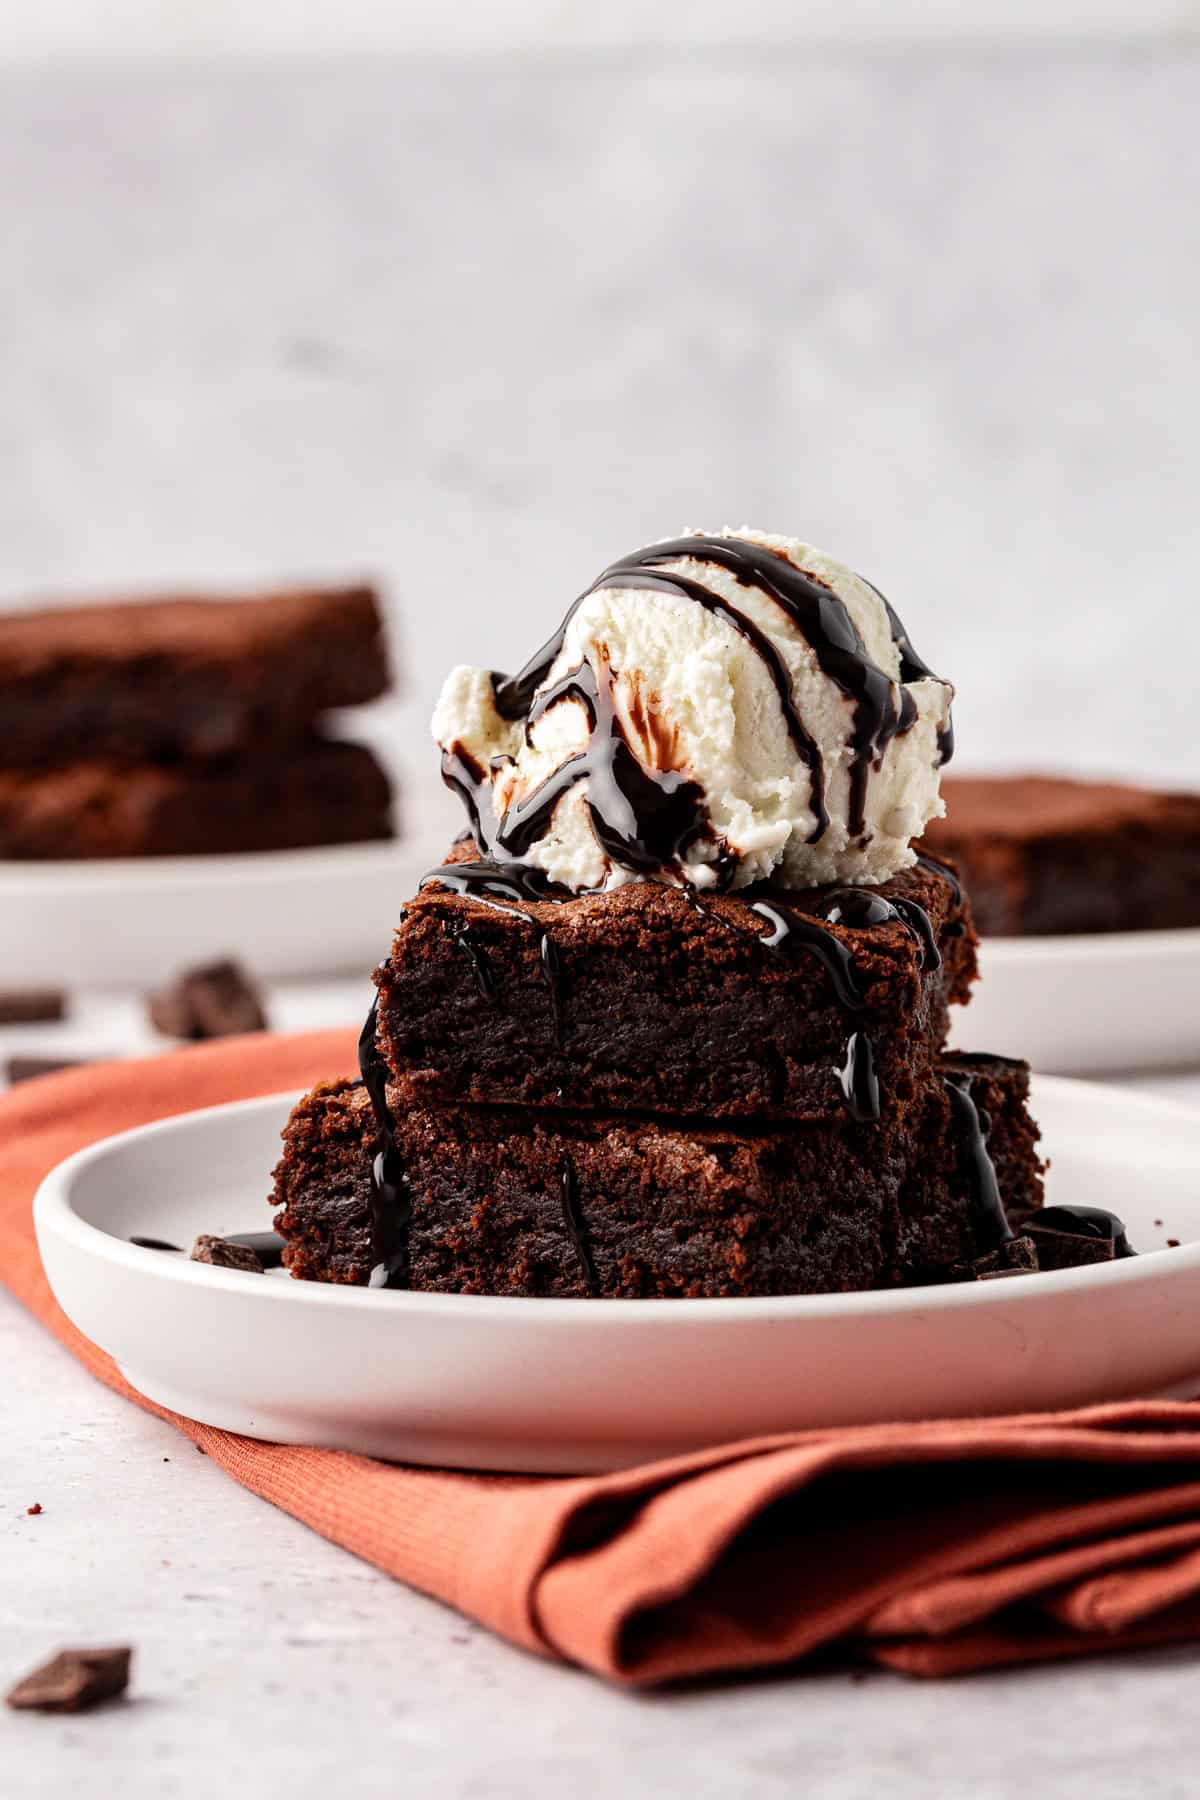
[
  {"x": 578, "y": 1385},
  {"x": 1087, "y": 1005},
  {"x": 137, "y": 920}
]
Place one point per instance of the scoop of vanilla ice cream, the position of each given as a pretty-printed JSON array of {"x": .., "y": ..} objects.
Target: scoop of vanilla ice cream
[{"x": 693, "y": 693}]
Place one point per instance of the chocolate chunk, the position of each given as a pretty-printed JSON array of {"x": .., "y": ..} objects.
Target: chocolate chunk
[
  {"x": 1068, "y": 1250},
  {"x": 73, "y": 1681},
  {"x": 217, "y": 1001},
  {"x": 224, "y": 1255},
  {"x": 27, "y": 1068},
  {"x": 1086, "y": 1222},
  {"x": 1017, "y": 1256},
  {"x": 32, "y": 1006}
]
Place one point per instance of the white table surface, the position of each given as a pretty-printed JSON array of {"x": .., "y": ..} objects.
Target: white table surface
[{"x": 270, "y": 1662}]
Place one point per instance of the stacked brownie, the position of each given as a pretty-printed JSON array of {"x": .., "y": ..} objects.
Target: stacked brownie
[
  {"x": 1044, "y": 854},
  {"x": 644, "y": 1092},
  {"x": 181, "y": 726}
]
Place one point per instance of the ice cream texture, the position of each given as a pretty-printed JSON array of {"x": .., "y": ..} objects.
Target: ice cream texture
[{"x": 716, "y": 710}]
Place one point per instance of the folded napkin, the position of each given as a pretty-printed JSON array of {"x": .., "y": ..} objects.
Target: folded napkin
[{"x": 934, "y": 1548}]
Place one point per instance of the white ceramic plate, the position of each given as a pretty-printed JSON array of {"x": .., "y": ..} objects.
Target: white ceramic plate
[
  {"x": 572, "y": 1385},
  {"x": 136, "y": 921},
  {"x": 1087, "y": 1005}
]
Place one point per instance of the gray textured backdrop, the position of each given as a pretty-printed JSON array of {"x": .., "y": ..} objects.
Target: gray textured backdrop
[{"x": 480, "y": 325}]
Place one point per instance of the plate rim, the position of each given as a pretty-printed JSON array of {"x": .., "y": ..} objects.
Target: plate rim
[
  {"x": 22, "y": 880},
  {"x": 54, "y": 1214},
  {"x": 1090, "y": 947}
]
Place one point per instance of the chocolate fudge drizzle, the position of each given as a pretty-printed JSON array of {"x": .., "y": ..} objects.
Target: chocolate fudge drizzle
[
  {"x": 485, "y": 882},
  {"x": 972, "y": 1126},
  {"x": 391, "y": 1199},
  {"x": 860, "y": 1084},
  {"x": 915, "y": 668},
  {"x": 646, "y": 819},
  {"x": 791, "y": 929},
  {"x": 576, "y": 1225},
  {"x": 862, "y": 907}
]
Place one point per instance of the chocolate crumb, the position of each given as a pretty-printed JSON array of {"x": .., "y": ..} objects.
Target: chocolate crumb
[
  {"x": 73, "y": 1681},
  {"x": 28, "y": 1068},
  {"x": 34, "y": 1510},
  {"x": 1158, "y": 1222},
  {"x": 224, "y": 1255},
  {"x": 219, "y": 1000},
  {"x": 1065, "y": 1250},
  {"x": 1172, "y": 1243},
  {"x": 32, "y": 1006},
  {"x": 1017, "y": 1256}
]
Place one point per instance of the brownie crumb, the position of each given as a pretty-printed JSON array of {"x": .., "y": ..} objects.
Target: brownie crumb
[
  {"x": 32, "y": 1006},
  {"x": 28, "y": 1068},
  {"x": 34, "y": 1510},
  {"x": 224, "y": 1255},
  {"x": 1018, "y": 1256},
  {"x": 74, "y": 1681},
  {"x": 1172, "y": 1243},
  {"x": 219, "y": 1000}
]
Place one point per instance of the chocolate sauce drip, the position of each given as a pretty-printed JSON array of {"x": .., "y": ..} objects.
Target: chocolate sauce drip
[
  {"x": 576, "y": 1225},
  {"x": 972, "y": 1126},
  {"x": 882, "y": 710},
  {"x": 925, "y": 861},
  {"x": 391, "y": 1200},
  {"x": 804, "y": 744},
  {"x": 982, "y": 1059},
  {"x": 915, "y": 668},
  {"x": 517, "y": 882},
  {"x": 919, "y": 925},
  {"x": 458, "y": 930},
  {"x": 1085, "y": 1221},
  {"x": 858, "y": 907},
  {"x": 268, "y": 1246},
  {"x": 860, "y": 1084},
  {"x": 945, "y": 742},
  {"x": 642, "y": 818},
  {"x": 863, "y": 907},
  {"x": 790, "y": 930},
  {"x": 489, "y": 882},
  {"x": 912, "y": 666},
  {"x": 825, "y": 621}
]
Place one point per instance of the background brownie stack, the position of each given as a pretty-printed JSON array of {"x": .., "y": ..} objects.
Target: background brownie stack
[
  {"x": 641, "y": 1093},
  {"x": 183, "y": 726}
]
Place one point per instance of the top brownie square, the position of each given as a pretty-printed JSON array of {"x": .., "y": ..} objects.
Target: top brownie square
[
  {"x": 647, "y": 998},
  {"x": 190, "y": 677}
]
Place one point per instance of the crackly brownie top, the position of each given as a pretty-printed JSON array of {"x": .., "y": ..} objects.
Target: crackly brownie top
[
  {"x": 1026, "y": 808},
  {"x": 187, "y": 628},
  {"x": 859, "y": 936}
]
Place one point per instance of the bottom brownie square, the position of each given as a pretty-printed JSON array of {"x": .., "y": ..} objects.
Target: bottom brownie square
[{"x": 525, "y": 1201}]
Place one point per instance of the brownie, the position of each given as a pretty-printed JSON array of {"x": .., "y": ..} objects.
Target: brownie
[
  {"x": 189, "y": 677},
  {"x": 514, "y": 1200},
  {"x": 1044, "y": 855},
  {"x": 645, "y": 998},
  {"x": 315, "y": 792},
  {"x": 936, "y": 1230}
]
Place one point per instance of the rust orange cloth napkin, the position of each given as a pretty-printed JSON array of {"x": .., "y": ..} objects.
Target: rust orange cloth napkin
[{"x": 934, "y": 1548}]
